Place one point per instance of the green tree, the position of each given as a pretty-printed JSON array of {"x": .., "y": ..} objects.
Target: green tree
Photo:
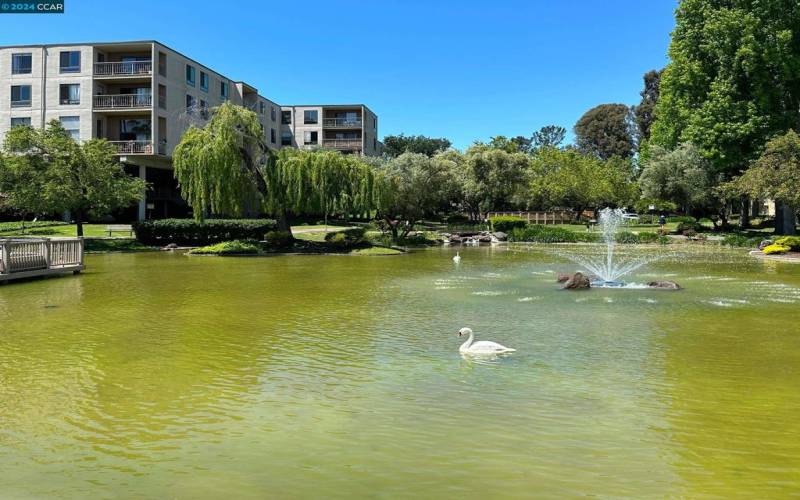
[
  {"x": 492, "y": 179},
  {"x": 733, "y": 80},
  {"x": 569, "y": 178},
  {"x": 549, "y": 136},
  {"x": 606, "y": 131},
  {"x": 518, "y": 144},
  {"x": 395, "y": 145},
  {"x": 680, "y": 176},
  {"x": 776, "y": 175},
  {"x": 226, "y": 167},
  {"x": 645, "y": 110},
  {"x": 412, "y": 186},
  {"x": 84, "y": 179}
]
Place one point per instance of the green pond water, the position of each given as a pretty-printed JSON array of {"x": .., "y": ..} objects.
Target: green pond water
[{"x": 165, "y": 376}]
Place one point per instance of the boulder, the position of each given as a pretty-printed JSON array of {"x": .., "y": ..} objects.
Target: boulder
[
  {"x": 577, "y": 281},
  {"x": 484, "y": 239},
  {"x": 562, "y": 277},
  {"x": 500, "y": 236},
  {"x": 764, "y": 244},
  {"x": 171, "y": 246},
  {"x": 664, "y": 285},
  {"x": 455, "y": 239}
]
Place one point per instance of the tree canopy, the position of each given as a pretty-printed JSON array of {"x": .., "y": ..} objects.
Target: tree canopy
[
  {"x": 645, "y": 111},
  {"x": 226, "y": 168},
  {"x": 606, "y": 131},
  {"x": 733, "y": 80},
  {"x": 45, "y": 170},
  {"x": 680, "y": 176},
  {"x": 396, "y": 145}
]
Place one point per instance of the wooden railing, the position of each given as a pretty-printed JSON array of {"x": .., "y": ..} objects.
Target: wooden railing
[
  {"x": 36, "y": 257},
  {"x": 342, "y": 143},
  {"x": 133, "y": 147},
  {"x": 122, "y": 101},
  {"x": 555, "y": 217},
  {"x": 341, "y": 123},
  {"x": 127, "y": 68}
]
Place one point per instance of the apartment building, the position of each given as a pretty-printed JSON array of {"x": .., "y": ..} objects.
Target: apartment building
[{"x": 142, "y": 96}]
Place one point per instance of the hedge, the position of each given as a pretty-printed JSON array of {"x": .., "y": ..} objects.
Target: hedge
[
  {"x": 538, "y": 233},
  {"x": 792, "y": 242},
  {"x": 507, "y": 223},
  {"x": 235, "y": 247},
  {"x": 347, "y": 238},
  {"x": 188, "y": 232}
]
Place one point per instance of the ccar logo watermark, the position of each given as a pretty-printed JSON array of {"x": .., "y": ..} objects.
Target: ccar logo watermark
[{"x": 32, "y": 7}]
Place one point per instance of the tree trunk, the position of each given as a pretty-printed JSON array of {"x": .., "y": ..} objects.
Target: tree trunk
[
  {"x": 79, "y": 222},
  {"x": 283, "y": 222},
  {"x": 744, "y": 213},
  {"x": 784, "y": 219}
]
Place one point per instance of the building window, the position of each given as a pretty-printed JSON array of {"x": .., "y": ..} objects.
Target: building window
[
  {"x": 190, "y": 103},
  {"x": 162, "y": 64},
  {"x": 70, "y": 61},
  {"x": 99, "y": 129},
  {"x": 310, "y": 116},
  {"x": 69, "y": 93},
  {"x": 162, "y": 96},
  {"x": 20, "y": 96},
  {"x": 310, "y": 137},
  {"x": 22, "y": 122},
  {"x": 271, "y": 135},
  {"x": 223, "y": 90},
  {"x": 272, "y": 113},
  {"x": 203, "y": 109},
  {"x": 261, "y": 107},
  {"x": 72, "y": 124},
  {"x": 21, "y": 64},
  {"x": 286, "y": 138},
  {"x": 374, "y": 143},
  {"x": 286, "y": 117},
  {"x": 204, "y": 81},
  {"x": 190, "y": 75}
]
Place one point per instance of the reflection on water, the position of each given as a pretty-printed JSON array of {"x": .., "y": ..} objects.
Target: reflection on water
[{"x": 161, "y": 375}]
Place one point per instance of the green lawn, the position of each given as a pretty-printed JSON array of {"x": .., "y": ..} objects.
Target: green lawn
[{"x": 89, "y": 231}]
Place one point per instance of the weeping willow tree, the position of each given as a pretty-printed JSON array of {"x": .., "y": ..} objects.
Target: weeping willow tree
[{"x": 226, "y": 168}]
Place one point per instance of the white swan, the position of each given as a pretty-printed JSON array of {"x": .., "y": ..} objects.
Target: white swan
[
  {"x": 481, "y": 347},
  {"x": 457, "y": 258}
]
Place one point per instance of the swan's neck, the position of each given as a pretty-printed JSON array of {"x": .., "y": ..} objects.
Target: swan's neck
[{"x": 468, "y": 343}]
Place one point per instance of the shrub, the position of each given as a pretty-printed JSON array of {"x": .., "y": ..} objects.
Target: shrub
[
  {"x": 189, "y": 232},
  {"x": 457, "y": 219},
  {"x": 682, "y": 218},
  {"x": 626, "y": 237},
  {"x": 775, "y": 248},
  {"x": 347, "y": 238},
  {"x": 17, "y": 225},
  {"x": 278, "y": 239},
  {"x": 663, "y": 239},
  {"x": 648, "y": 237},
  {"x": 792, "y": 242},
  {"x": 740, "y": 240},
  {"x": 538, "y": 233},
  {"x": 236, "y": 247},
  {"x": 507, "y": 223},
  {"x": 689, "y": 233},
  {"x": 688, "y": 226}
]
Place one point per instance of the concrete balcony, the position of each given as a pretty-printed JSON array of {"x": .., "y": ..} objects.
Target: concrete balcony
[
  {"x": 123, "y": 69},
  {"x": 113, "y": 102},
  {"x": 342, "y": 123},
  {"x": 134, "y": 147},
  {"x": 342, "y": 143}
]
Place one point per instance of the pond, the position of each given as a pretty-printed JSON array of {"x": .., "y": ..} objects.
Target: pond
[{"x": 160, "y": 375}]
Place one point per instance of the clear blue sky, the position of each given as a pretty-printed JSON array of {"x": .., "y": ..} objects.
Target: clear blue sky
[{"x": 465, "y": 69}]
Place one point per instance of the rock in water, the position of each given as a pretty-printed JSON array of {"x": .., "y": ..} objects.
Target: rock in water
[
  {"x": 664, "y": 285},
  {"x": 764, "y": 244},
  {"x": 562, "y": 277},
  {"x": 500, "y": 235},
  {"x": 577, "y": 281}
]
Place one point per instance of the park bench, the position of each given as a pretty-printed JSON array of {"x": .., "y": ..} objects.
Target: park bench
[{"x": 119, "y": 228}]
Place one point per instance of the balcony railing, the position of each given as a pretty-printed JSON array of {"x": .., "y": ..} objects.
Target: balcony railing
[
  {"x": 341, "y": 122},
  {"x": 133, "y": 147},
  {"x": 342, "y": 143},
  {"x": 127, "y": 68},
  {"x": 122, "y": 101}
]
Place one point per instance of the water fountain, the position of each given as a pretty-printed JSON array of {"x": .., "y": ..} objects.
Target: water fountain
[{"x": 608, "y": 269}]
